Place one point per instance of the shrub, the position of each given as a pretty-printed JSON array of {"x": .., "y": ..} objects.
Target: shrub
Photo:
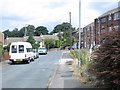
[
  {"x": 107, "y": 62},
  {"x": 6, "y": 48}
]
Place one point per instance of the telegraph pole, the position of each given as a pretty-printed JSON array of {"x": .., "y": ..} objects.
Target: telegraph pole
[{"x": 25, "y": 31}]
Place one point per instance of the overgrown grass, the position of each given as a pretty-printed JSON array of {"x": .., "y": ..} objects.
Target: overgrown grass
[
  {"x": 85, "y": 61},
  {"x": 84, "y": 55}
]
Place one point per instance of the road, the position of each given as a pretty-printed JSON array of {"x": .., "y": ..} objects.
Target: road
[{"x": 33, "y": 75}]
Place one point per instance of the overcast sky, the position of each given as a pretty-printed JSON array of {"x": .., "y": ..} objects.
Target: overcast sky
[{"x": 49, "y": 13}]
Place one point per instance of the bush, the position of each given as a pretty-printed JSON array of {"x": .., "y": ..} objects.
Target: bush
[
  {"x": 7, "y": 48},
  {"x": 107, "y": 63},
  {"x": 58, "y": 43}
]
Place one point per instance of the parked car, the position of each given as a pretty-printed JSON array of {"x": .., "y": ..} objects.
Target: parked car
[
  {"x": 36, "y": 54},
  {"x": 42, "y": 50},
  {"x": 21, "y": 52}
]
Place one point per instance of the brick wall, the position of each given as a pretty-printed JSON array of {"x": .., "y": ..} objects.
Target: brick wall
[{"x": 2, "y": 38}]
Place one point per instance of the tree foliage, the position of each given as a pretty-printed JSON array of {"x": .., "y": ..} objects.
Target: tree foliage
[
  {"x": 49, "y": 43},
  {"x": 31, "y": 39},
  {"x": 29, "y": 29},
  {"x": 35, "y": 45},
  {"x": 58, "y": 43},
  {"x": 7, "y": 33},
  {"x": 63, "y": 27},
  {"x": 107, "y": 62},
  {"x": 41, "y": 30}
]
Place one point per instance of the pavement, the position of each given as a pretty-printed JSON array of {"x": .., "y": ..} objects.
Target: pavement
[{"x": 63, "y": 77}]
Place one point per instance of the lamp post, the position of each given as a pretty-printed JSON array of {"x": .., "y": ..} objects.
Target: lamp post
[
  {"x": 70, "y": 30},
  {"x": 79, "y": 61}
]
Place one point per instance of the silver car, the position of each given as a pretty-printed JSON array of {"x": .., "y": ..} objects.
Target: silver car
[
  {"x": 42, "y": 50},
  {"x": 36, "y": 54}
]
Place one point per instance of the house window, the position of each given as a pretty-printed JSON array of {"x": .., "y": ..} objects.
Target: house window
[
  {"x": 116, "y": 15},
  {"x": 88, "y": 28},
  {"x": 116, "y": 27},
  {"x": 88, "y": 35},
  {"x": 102, "y": 30},
  {"x": 110, "y": 28},
  {"x": 109, "y": 17},
  {"x": 103, "y": 20}
]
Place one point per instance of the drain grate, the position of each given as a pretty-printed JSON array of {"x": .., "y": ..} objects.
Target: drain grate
[{"x": 66, "y": 75}]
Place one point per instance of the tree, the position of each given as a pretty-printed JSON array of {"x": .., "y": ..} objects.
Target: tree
[
  {"x": 36, "y": 45},
  {"x": 30, "y": 29},
  {"x": 49, "y": 43},
  {"x": 41, "y": 29},
  {"x": 58, "y": 43},
  {"x": 22, "y": 32},
  {"x": 15, "y": 32},
  {"x": 63, "y": 27},
  {"x": 31, "y": 39},
  {"x": 7, "y": 33}
]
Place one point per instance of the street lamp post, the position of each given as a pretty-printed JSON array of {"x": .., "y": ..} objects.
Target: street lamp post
[
  {"x": 70, "y": 30},
  {"x": 79, "y": 61}
]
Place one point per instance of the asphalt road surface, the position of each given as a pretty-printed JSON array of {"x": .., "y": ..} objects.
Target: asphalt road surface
[{"x": 33, "y": 75}]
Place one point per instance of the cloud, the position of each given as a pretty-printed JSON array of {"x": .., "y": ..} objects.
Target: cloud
[{"x": 18, "y": 13}]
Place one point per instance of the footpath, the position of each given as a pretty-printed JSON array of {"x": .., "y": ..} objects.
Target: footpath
[{"x": 63, "y": 77}]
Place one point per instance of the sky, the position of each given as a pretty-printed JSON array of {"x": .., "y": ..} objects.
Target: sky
[{"x": 49, "y": 13}]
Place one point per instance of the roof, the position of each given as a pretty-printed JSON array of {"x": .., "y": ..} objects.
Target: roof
[
  {"x": 91, "y": 24},
  {"x": 109, "y": 12},
  {"x": 49, "y": 36},
  {"x": 13, "y": 39},
  {"x": 16, "y": 39},
  {"x": 37, "y": 38}
]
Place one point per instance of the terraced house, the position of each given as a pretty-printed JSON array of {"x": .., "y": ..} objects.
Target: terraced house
[
  {"x": 105, "y": 23},
  {"x": 93, "y": 34},
  {"x": 88, "y": 36}
]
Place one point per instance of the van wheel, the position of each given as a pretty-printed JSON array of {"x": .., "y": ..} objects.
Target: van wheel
[
  {"x": 28, "y": 61},
  {"x": 13, "y": 62}
]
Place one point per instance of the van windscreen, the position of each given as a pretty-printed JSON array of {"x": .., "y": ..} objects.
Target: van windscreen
[
  {"x": 14, "y": 49},
  {"x": 21, "y": 48}
]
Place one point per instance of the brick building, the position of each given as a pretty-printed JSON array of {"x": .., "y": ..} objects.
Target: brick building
[
  {"x": 1, "y": 38},
  {"x": 88, "y": 36},
  {"x": 93, "y": 34},
  {"x": 76, "y": 35},
  {"x": 107, "y": 22}
]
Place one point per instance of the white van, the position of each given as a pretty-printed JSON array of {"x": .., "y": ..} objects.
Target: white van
[{"x": 21, "y": 51}]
